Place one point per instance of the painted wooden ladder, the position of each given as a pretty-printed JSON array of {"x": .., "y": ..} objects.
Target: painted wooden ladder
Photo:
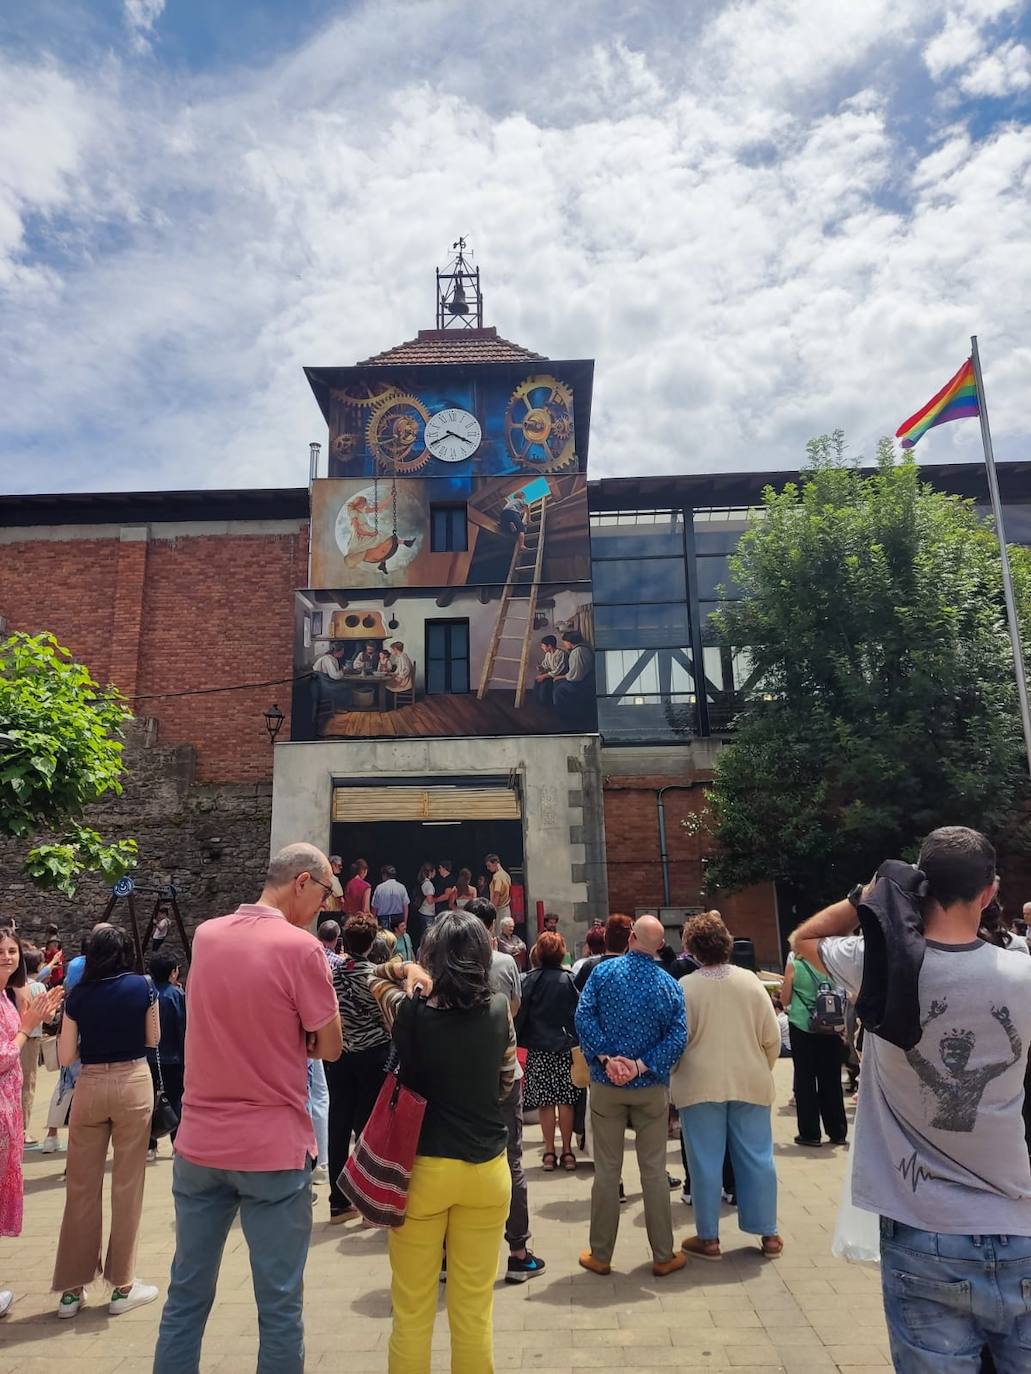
[{"x": 524, "y": 575}]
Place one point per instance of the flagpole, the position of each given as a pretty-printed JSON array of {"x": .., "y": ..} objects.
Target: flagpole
[{"x": 1000, "y": 530}]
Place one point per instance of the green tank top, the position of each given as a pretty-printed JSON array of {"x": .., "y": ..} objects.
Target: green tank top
[{"x": 803, "y": 995}]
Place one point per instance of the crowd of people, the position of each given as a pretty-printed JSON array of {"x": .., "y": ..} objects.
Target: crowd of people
[{"x": 617, "y": 1040}]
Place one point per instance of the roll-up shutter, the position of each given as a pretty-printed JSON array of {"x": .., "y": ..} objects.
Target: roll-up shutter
[{"x": 357, "y": 804}]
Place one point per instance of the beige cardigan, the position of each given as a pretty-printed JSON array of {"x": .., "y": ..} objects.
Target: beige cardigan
[{"x": 733, "y": 1040}]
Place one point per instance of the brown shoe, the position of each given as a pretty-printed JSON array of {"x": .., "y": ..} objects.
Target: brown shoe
[
  {"x": 660, "y": 1268},
  {"x": 596, "y": 1266},
  {"x": 701, "y": 1249},
  {"x": 772, "y": 1247}
]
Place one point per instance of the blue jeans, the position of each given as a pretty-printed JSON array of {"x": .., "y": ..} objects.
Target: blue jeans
[
  {"x": 275, "y": 1213},
  {"x": 947, "y": 1296},
  {"x": 709, "y": 1129},
  {"x": 318, "y": 1108}
]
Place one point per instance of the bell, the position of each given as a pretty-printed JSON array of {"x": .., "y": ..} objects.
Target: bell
[{"x": 458, "y": 304}]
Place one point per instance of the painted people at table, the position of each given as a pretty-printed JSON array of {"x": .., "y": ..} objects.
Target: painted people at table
[
  {"x": 366, "y": 660},
  {"x": 553, "y": 663},
  {"x": 330, "y": 661},
  {"x": 402, "y": 669}
]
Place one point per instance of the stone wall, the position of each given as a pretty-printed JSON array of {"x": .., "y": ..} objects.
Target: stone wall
[{"x": 210, "y": 839}]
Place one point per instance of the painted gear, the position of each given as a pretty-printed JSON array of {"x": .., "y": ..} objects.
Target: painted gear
[
  {"x": 364, "y": 394},
  {"x": 539, "y": 424},
  {"x": 396, "y": 433}
]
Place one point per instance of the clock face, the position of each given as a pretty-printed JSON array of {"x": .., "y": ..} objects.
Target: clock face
[{"x": 452, "y": 435}]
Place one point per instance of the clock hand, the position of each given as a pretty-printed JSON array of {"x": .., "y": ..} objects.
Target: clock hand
[{"x": 450, "y": 434}]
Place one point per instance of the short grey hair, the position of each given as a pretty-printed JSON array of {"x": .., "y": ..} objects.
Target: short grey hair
[
  {"x": 292, "y": 860},
  {"x": 507, "y": 923}
]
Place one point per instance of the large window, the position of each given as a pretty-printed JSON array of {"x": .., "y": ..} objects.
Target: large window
[
  {"x": 645, "y": 679},
  {"x": 448, "y": 530},
  {"x": 447, "y": 656}
]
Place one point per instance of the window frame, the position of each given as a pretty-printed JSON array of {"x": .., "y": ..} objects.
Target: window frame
[
  {"x": 448, "y": 623},
  {"x": 449, "y": 510}
]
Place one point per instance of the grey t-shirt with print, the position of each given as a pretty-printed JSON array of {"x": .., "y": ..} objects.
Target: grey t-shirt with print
[{"x": 939, "y": 1137}]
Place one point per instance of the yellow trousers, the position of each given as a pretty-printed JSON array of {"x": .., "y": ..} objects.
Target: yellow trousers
[{"x": 464, "y": 1205}]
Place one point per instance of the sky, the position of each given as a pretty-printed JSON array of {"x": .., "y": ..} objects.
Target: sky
[{"x": 765, "y": 219}]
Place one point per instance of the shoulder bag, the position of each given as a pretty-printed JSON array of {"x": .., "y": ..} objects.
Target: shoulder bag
[
  {"x": 379, "y": 1168},
  {"x": 165, "y": 1118}
]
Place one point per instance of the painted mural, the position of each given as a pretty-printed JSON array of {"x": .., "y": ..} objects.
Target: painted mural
[
  {"x": 449, "y": 531},
  {"x": 454, "y": 422},
  {"x": 499, "y": 660}
]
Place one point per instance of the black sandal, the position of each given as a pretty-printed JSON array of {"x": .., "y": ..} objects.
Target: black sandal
[
  {"x": 549, "y": 1168},
  {"x": 568, "y": 1154}
]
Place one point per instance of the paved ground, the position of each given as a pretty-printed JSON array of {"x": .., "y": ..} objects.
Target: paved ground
[{"x": 806, "y": 1313}]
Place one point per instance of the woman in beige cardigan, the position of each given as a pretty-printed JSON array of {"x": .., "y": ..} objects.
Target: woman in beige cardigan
[{"x": 723, "y": 1089}]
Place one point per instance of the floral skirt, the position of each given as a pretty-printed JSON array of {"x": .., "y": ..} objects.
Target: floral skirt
[{"x": 548, "y": 1079}]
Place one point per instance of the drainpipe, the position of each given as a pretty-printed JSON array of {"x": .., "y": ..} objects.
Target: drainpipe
[{"x": 663, "y": 851}]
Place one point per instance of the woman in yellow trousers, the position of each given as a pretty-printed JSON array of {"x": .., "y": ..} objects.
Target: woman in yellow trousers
[{"x": 458, "y": 1050}]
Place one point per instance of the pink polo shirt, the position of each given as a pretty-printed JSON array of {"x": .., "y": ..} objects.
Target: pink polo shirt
[{"x": 256, "y": 984}]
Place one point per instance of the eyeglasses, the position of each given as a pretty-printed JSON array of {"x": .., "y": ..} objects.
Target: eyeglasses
[{"x": 325, "y": 886}]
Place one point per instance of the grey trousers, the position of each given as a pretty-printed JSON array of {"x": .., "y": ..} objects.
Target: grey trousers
[
  {"x": 517, "y": 1228},
  {"x": 646, "y": 1112}
]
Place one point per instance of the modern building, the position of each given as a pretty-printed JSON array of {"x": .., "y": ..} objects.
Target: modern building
[{"x": 399, "y": 611}]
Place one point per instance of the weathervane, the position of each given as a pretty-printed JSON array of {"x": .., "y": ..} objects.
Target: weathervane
[{"x": 459, "y": 299}]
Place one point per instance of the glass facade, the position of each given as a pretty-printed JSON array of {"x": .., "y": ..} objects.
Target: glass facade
[{"x": 657, "y": 576}]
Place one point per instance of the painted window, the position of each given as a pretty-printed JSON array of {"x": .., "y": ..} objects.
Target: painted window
[
  {"x": 448, "y": 529},
  {"x": 447, "y": 656}
]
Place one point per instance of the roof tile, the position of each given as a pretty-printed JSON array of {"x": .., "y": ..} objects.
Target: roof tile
[{"x": 436, "y": 346}]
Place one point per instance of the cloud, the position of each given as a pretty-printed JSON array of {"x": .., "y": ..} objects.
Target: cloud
[
  {"x": 969, "y": 50},
  {"x": 140, "y": 17},
  {"x": 728, "y": 209}
]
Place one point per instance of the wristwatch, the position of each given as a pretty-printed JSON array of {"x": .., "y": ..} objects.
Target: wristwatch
[{"x": 856, "y": 895}]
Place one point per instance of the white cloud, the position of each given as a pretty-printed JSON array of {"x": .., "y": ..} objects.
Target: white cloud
[
  {"x": 1006, "y": 70},
  {"x": 969, "y": 50},
  {"x": 725, "y": 214},
  {"x": 141, "y": 16}
]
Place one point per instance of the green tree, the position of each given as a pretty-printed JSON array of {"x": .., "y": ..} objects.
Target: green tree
[
  {"x": 60, "y": 751},
  {"x": 885, "y": 702}
]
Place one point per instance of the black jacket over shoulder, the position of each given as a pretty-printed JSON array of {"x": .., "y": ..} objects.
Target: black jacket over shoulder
[
  {"x": 547, "y": 1014},
  {"x": 893, "y": 933}
]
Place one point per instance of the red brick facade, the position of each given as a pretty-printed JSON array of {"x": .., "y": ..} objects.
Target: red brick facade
[
  {"x": 158, "y": 612},
  {"x": 633, "y": 855}
]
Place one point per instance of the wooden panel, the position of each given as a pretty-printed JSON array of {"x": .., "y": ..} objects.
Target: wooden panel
[{"x": 356, "y": 804}]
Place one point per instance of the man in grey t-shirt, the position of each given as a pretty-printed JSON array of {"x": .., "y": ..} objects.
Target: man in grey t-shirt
[
  {"x": 939, "y": 1140},
  {"x": 523, "y": 1264}
]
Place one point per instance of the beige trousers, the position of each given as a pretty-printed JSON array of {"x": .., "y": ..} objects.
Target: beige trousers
[
  {"x": 29, "y": 1065},
  {"x": 113, "y": 1104},
  {"x": 646, "y": 1112}
]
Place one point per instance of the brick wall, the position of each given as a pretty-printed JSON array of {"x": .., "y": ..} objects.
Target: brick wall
[
  {"x": 156, "y": 611},
  {"x": 633, "y": 855}
]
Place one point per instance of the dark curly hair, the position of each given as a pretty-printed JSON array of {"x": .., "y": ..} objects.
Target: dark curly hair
[
  {"x": 456, "y": 953},
  {"x": 110, "y": 952},
  {"x": 707, "y": 938},
  {"x": 359, "y": 933}
]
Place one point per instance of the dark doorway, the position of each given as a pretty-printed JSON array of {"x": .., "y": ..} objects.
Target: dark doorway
[{"x": 409, "y": 844}]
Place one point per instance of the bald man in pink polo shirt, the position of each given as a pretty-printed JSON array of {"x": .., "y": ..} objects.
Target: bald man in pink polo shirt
[{"x": 260, "y": 1002}]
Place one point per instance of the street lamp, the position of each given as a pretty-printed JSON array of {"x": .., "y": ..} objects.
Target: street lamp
[{"x": 273, "y": 722}]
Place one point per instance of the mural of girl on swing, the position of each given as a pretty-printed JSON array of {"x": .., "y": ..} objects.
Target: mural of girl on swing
[{"x": 364, "y": 537}]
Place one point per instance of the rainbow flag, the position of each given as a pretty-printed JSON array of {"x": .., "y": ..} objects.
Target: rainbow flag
[{"x": 957, "y": 400}]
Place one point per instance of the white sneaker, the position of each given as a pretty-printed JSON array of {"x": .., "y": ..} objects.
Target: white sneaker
[
  {"x": 138, "y": 1296},
  {"x": 685, "y": 1198},
  {"x": 320, "y": 1175},
  {"x": 50, "y": 1145},
  {"x": 71, "y": 1304},
  {"x": 151, "y": 1156},
  {"x": 6, "y": 1299}
]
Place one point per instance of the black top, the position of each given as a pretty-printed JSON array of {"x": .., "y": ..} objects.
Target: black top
[
  {"x": 112, "y": 1018},
  {"x": 547, "y": 1014},
  {"x": 454, "y": 1059},
  {"x": 588, "y": 966}
]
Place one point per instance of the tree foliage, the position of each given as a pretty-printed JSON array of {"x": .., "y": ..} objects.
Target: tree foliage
[
  {"x": 886, "y": 702},
  {"x": 60, "y": 751}
]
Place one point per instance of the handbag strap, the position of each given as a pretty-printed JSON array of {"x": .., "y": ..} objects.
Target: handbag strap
[{"x": 157, "y": 1048}]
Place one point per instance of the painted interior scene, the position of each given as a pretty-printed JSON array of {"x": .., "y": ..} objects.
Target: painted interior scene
[
  {"x": 449, "y": 531},
  {"x": 511, "y": 659},
  {"x": 530, "y": 418}
]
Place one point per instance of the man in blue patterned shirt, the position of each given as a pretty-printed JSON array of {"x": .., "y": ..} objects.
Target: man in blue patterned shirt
[{"x": 632, "y": 1029}]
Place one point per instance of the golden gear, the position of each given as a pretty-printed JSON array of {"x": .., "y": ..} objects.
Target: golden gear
[
  {"x": 396, "y": 427},
  {"x": 345, "y": 444},
  {"x": 364, "y": 394},
  {"x": 539, "y": 424}
]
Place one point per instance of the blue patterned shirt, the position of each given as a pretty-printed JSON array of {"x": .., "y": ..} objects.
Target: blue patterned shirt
[{"x": 631, "y": 1006}]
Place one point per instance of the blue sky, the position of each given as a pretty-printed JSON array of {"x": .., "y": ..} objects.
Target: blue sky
[{"x": 764, "y": 219}]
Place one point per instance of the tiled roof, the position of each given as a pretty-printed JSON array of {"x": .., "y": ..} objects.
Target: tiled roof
[{"x": 453, "y": 346}]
